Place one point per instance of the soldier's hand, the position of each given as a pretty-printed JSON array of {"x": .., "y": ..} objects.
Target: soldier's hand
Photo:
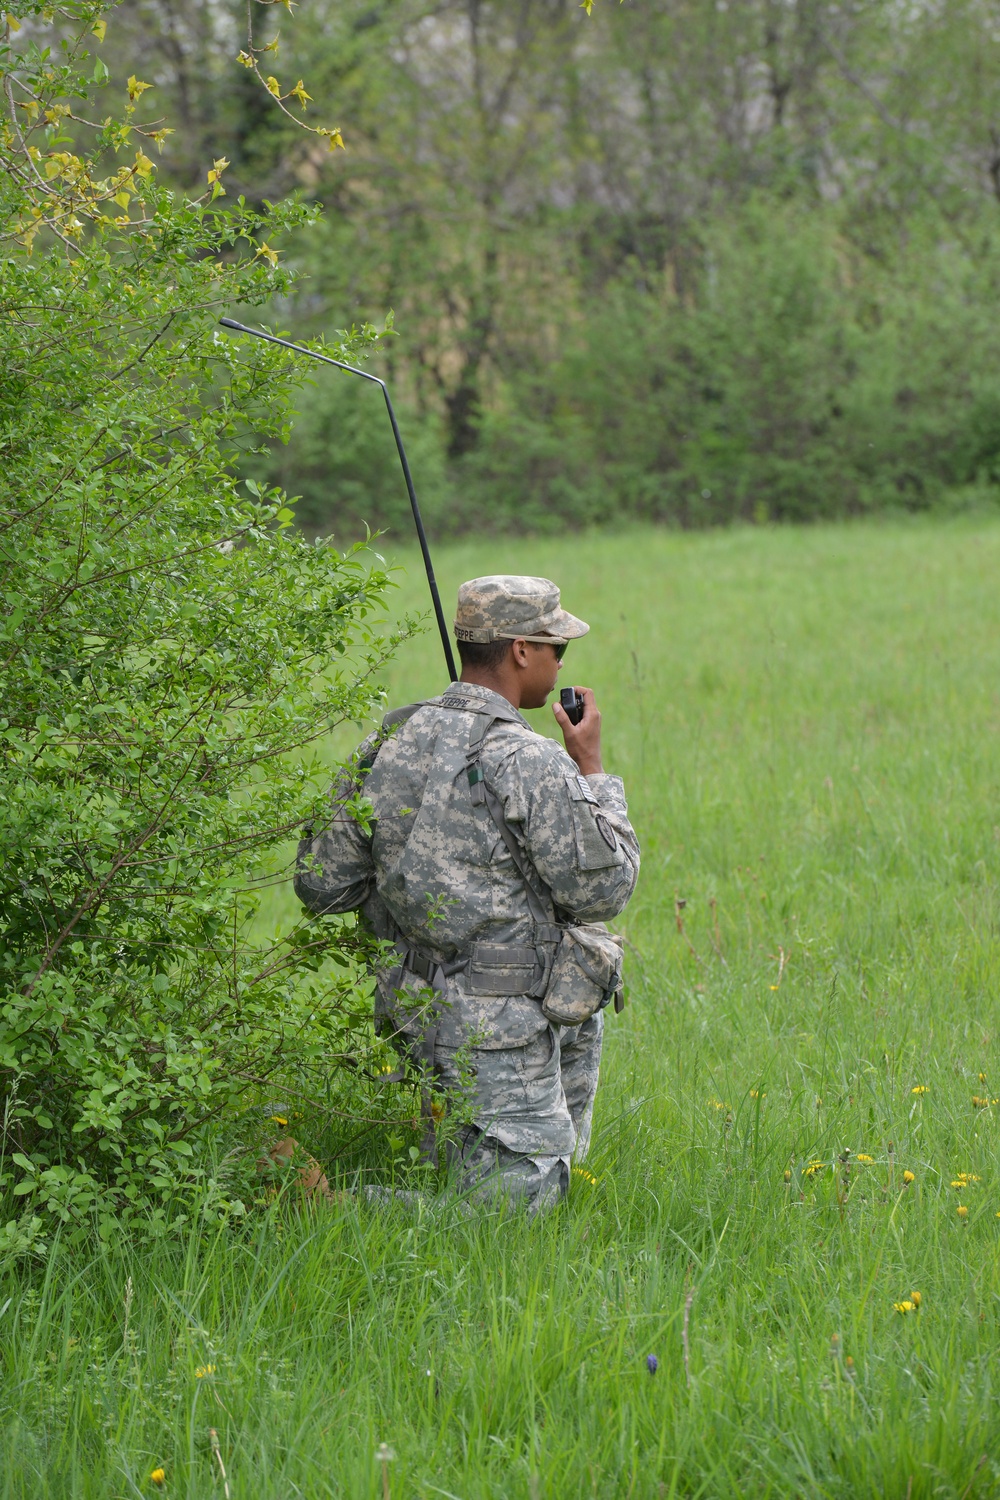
[{"x": 583, "y": 740}]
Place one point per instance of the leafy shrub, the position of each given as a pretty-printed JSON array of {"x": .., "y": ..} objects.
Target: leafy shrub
[{"x": 168, "y": 642}]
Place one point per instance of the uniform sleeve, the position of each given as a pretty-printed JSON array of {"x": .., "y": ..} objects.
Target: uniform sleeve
[
  {"x": 575, "y": 830},
  {"x": 334, "y": 871}
]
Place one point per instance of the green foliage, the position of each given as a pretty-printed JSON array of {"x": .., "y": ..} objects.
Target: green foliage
[
  {"x": 806, "y": 721},
  {"x": 796, "y": 380},
  {"x": 167, "y": 641},
  {"x": 691, "y": 261}
]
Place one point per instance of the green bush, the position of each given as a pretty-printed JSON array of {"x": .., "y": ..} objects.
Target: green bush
[
  {"x": 167, "y": 642},
  {"x": 797, "y": 381},
  {"x": 796, "y": 378}
]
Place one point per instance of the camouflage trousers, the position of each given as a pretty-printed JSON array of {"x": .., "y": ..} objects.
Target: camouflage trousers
[{"x": 532, "y": 1111}]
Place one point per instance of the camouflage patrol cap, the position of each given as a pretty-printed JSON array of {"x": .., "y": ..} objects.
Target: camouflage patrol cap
[{"x": 506, "y": 607}]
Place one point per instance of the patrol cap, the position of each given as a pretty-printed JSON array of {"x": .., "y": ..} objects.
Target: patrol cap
[{"x": 506, "y": 606}]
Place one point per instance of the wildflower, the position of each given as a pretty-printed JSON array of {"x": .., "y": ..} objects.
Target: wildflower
[
  {"x": 868, "y": 1160},
  {"x": 982, "y": 1078},
  {"x": 916, "y": 1298},
  {"x": 158, "y": 1476},
  {"x": 909, "y": 1177},
  {"x": 204, "y": 1370},
  {"x": 278, "y": 1120},
  {"x": 904, "y": 1307},
  {"x": 788, "y": 1178},
  {"x": 652, "y": 1363},
  {"x": 962, "y": 1211},
  {"x": 849, "y": 1366},
  {"x": 964, "y": 1178},
  {"x": 587, "y": 1176},
  {"x": 813, "y": 1168},
  {"x": 717, "y": 1104},
  {"x": 921, "y": 1088},
  {"x": 980, "y": 1102},
  {"x": 757, "y": 1094}
]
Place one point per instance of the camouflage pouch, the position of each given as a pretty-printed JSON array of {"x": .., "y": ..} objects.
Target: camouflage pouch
[{"x": 586, "y": 973}]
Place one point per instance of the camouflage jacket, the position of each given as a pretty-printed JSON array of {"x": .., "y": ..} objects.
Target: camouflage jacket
[{"x": 435, "y": 872}]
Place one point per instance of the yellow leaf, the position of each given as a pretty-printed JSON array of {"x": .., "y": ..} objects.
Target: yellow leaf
[
  {"x": 288, "y": 4},
  {"x": 159, "y": 136},
  {"x": 100, "y": 29},
  {"x": 217, "y": 169},
  {"x": 137, "y": 87},
  {"x": 245, "y": 59},
  {"x": 273, "y": 86},
  {"x": 271, "y": 46},
  {"x": 299, "y": 93},
  {"x": 123, "y": 199},
  {"x": 142, "y": 164},
  {"x": 13, "y": 22},
  {"x": 587, "y": 5},
  {"x": 30, "y": 109},
  {"x": 270, "y": 255},
  {"x": 334, "y": 137}
]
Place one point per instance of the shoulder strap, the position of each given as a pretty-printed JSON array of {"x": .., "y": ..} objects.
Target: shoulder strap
[
  {"x": 391, "y": 721},
  {"x": 540, "y": 902}
]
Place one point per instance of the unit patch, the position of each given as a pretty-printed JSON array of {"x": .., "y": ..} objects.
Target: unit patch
[{"x": 606, "y": 831}]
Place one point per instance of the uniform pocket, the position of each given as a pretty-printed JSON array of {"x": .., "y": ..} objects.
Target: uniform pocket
[
  {"x": 501, "y": 969},
  {"x": 586, "y": 972},
  {"x": 597, "y": 846}
]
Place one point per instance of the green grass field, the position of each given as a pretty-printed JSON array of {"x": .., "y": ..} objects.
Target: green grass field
[{"x": 807, "y": 723}]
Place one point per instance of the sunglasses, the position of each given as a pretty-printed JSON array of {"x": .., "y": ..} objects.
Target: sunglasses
[{"x": 560, "y": 650}]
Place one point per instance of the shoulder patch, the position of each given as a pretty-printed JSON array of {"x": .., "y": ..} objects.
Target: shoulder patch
[{"x": 606, "y": 831}]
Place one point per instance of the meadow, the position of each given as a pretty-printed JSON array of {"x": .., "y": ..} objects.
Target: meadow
[{"x": 793, "y": 1198}]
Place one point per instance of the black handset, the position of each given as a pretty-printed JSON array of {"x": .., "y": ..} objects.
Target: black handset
[{"x": 572, "y": 705}]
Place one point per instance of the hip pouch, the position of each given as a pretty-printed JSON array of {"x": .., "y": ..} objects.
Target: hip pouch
[{"x": 586, "y": 973}]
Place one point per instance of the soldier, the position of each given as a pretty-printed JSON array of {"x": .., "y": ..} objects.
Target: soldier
[{"x": 492, "y": 859}]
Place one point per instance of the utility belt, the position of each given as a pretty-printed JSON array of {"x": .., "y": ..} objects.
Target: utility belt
[{"x": 573, "y": 970}]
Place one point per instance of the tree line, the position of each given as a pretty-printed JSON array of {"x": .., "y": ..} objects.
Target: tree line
[{"x": 688, "y": 260}]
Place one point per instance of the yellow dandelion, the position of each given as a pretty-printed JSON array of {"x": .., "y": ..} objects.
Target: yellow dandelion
[
  {"x": 587, "y": 1176},
  {"x": 849, "y": 1365},
  {"x": 979, "y": 1102},
  {"x": 868, "y": 1160},
  {"x": 717, "y": 1104},
  {"x": 903, "y": 1307},
  {"x": 814, "y": 1167},
  {"x": 909, "y": 1177},
  {"x": 920, "y": 1088},
  {"x": 204, "y": 1370},
  {"x": 788, "y": 1178},
  {"x": 158, "y": 1475},
  {"x": 962, "y": 1211},
  {"x": 982, "y": 1078},
  {"x": 916, "y": 1298},
  {"x": 278, "y": 1120},
  {"x": 757, "y": 1094}
]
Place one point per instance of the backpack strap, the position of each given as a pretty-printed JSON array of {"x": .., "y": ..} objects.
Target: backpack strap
[{"x": 539, "y": 897}]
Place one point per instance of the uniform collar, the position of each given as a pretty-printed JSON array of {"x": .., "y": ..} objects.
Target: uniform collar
[{"x": 489, "y": 698}]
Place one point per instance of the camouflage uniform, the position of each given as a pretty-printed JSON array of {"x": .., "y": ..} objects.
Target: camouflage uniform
[{"x": 438, "y": 879}]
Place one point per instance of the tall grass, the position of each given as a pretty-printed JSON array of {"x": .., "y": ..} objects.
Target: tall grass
[{"x": 807, "y": 723}]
